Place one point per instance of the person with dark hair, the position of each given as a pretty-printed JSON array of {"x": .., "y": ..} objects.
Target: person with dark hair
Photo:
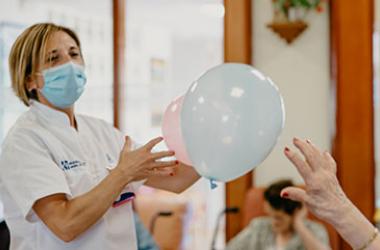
[{"x": 285, "y": 227}]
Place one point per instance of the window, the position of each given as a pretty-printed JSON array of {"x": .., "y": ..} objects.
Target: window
[{"x": 170, "y": 43}]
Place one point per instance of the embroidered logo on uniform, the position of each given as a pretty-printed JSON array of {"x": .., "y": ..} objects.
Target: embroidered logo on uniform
[{"x": 67, "y": 165}]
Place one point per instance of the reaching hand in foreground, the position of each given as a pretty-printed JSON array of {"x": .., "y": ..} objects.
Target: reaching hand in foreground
[{"x": 325, "y": 198}]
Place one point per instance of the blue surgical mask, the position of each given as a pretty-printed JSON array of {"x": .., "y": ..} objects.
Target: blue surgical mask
[{"x": 64, "y": 84}]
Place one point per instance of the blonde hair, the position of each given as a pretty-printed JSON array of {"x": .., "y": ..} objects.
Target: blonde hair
[{"x": 28, "y": 52}]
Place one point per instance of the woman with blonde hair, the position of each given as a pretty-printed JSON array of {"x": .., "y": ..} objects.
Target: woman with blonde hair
[{"x": 66, "y": 179}]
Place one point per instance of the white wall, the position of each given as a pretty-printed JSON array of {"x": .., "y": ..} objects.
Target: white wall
[{"x": 301, "y": 70}]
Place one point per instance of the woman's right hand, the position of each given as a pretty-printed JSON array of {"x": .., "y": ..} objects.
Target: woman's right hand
[
  {"x": 325, "y": 198},
  {"x": 323, "y": 195},
  {"x": 141, "y": 163}
]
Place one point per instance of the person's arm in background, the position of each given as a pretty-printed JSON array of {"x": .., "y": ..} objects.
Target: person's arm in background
[
  {"x": 68, "y": 218},
  {"x": 325, "y": 198},
  {"x": 145, "y": 239},
  {"x": 308, "y": 237}
]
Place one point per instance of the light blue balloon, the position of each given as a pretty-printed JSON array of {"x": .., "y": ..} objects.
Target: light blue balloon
[{"x": 231, "y": 119}]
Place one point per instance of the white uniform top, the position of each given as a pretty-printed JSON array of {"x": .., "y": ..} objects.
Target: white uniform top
[{"x": 43, "y": 155}]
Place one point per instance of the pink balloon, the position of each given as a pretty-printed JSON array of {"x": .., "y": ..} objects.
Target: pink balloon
[{"x": 171, "y": 130}]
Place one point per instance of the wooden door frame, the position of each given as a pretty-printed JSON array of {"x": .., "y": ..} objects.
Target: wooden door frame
[
  {"x": 119, "y": 40},
  {"x": 237, "y": 48},
  {"x": 351, "y": 30}
]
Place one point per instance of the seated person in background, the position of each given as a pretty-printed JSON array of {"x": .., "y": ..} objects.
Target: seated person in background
[
  {"x": 285, "y": 227},
  {"x": 145, "y": 239}
]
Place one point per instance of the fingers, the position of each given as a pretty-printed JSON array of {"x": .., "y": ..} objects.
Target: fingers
[
  {"x": 302, "y": 167},
  {"x": 294, "y": 193},
  {"x": 168, "y": 171},
  {"x": 150, "y": 145},
  {"x": 162, "y": 164},
  {"x": 313, "y": 147},
  {"x": 162, "y": 154},
  {"x": 127, "y": 144},
  {"x": 307, "y": 150}
]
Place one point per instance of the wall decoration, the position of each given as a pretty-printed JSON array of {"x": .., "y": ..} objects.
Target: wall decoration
[{"x": 289, "y": 16}]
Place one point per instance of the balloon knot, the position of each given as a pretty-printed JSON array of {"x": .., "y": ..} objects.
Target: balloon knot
[{"x": 213, "y": 185}]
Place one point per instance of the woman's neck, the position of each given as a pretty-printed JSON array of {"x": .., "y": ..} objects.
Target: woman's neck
[{"x": 68, "y": 111}]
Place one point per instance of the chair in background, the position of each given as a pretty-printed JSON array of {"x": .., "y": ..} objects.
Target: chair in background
[{"x": 168, "y": 229}]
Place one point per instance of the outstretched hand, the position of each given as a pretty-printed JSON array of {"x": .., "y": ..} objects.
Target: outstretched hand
[
  {"x": 142, "y": 163},
  {"x": 323, "y": 195}
]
